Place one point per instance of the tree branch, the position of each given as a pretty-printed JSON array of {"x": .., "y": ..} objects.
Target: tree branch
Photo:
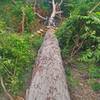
[
  {"x": 60, "y": 2},
  {"x": 13, "y": 1},
  {"x": 53, "y": 14},
  {"x": 40, "y": 16},
  {"x": 55, "y": 10},
  {"x": 44, "y": 18},
  {"x": 23, "y": 20},
  {"x": 94, "y": 8},
  {"x": 59, "y": 12},
  {"x": 5, "y": 90},
  {"x": 53, "y": 4}
]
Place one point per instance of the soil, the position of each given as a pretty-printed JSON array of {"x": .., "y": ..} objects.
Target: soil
[
  {"x": 3, "y": 97},
  {"x": 82, "y": 91}
]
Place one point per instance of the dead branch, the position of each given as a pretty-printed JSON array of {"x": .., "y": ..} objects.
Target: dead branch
[
  {"x": 60, "y": 2},
  {"x": 53, "y": 14},
  {"x": 98, "y": 4},
  {"x": 5, "y": 90},
  {"x": 44, "y": 18},
  {"x": 34, "y": 5},
  {"x": 13, "y": 1},
  {"x": 40, "y": 16},
  {"x": 27, "y": 94},
  {"x": 23, "y": 20},
  {"x": 55, "y": 10},
  {"x": 59, "y": 12},
  {"x": 77, "y": 49}
]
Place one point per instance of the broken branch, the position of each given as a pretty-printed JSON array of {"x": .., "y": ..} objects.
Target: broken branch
[
  {"x": 5, "y": 90},
  {"x": 40, "y": 16},
  {"x": 60, "y": 2},
  {"x": 59, "y": 12},
  {"x": 13, "y": 1},
  {"x": 44, "y": 18},
  {"x": 94, "y": 8}
]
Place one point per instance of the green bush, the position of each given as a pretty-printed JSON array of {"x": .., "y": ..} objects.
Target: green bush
[
  {"x": 17, "y": 55},
  {"x": 13, "y": 13},
  {"x": 2, "y": 26},
  {"x": 72, "y": 82},
  {"x": 96, "y": 86},
  {"x": 94, "y": 72},
  {"x": 79, "y": 34}
]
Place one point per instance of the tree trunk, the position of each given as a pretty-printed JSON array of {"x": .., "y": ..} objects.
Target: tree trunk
[{"x": 48, "y": 79}]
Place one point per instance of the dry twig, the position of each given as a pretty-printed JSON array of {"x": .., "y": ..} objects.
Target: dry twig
[{"x": 5, "y": 90}]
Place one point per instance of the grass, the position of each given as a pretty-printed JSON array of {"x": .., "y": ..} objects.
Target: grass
[
  {"x": 92, "y": 71},
  {"x": 71, "y": 81},
  {"x": 96, "y": 86}
]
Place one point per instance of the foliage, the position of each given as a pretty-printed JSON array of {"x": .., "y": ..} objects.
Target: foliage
[
  {"x": 13, "y": 15},
  {"x": 92, "y": 38},
  {"x": 2, "y": 26},
  {"x": 17, "y": 52},
  {"x": 94, "y": 72},
  {"x": 94, "y": 75},
  {"x": 30, "y": 17},
  {"x": 44, "y": 4},
  {"x": 79, "y": 34},
  {"x": 16, "y": 58},
  {"x": 71, "y": 81},
  {"x": 96, "y": 86}
]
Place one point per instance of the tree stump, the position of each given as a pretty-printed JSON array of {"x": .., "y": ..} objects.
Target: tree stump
[{"x": 48, "y": 79}]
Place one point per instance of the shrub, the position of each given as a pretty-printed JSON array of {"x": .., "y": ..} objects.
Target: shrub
[
  {"x": 96, "y": 86},
  {"x": 13, "y": 15},
  {"x": 79, "y": 34},
  {"x": 17, "y": 55},
  {"x": 2, "y": 26},
  {"x": 72, "y": 82},
  {"x": 94, "y": 72}
]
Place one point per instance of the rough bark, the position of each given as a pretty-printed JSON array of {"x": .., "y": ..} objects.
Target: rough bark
[{"x": 48, "y": 79}]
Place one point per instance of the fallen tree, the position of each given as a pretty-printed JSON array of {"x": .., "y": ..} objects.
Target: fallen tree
[{"x": 48, "y": 79}]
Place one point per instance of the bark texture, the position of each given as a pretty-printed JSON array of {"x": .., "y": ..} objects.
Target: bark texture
[{"x": 48, "y": 79}]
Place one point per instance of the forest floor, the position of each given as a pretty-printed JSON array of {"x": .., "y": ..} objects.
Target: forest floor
[{"x": 80, "y": 88}]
